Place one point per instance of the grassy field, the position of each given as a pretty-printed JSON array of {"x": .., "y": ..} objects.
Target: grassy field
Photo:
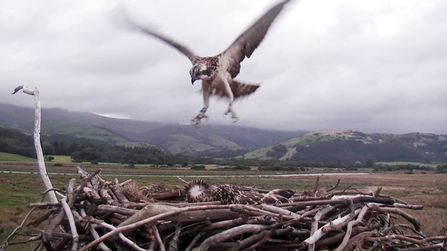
[
  {"x": 61, "y": 159},
  {"x": 14, "y": 157},
  {"x": 18, "y": 190}
]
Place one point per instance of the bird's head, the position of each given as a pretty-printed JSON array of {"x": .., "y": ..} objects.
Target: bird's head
[
  {"x": 199, "y": 71},
  {"x": 198, "y": 191}
]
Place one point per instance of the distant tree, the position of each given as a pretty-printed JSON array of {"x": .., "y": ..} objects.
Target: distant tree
[
  {"x": 48, "y": 158},
  {"x": 200, "y": 167},
  {"x": 369, "y": 163},
  {"x": 130, "y": 165},
  {"x": 241, "y": 168},
  {"x": 48, "y": 148},
  {"x": 441, "y": 169},
  {"x": 277, "y": 151}
]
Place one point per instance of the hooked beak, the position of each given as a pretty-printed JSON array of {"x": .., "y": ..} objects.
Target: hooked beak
[{"x": 193, "y": 79}]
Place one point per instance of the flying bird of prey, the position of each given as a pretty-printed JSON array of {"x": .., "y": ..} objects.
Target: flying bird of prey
[{"x": 217, "y": 73}]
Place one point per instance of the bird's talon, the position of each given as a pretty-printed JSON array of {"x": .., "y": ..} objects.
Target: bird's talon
[
  {"x": 233, "y": 117},
  {"x": 197, "y": 119},
  {"x": 195, "y": 122}
]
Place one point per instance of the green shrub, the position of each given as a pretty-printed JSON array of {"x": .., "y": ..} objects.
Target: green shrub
[{"x": 201, "y": 167}]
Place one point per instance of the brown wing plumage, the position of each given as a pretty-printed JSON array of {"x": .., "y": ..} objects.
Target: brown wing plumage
[
  {"x": 183, "y": 49},
  {"x": 246, "y": 43},
  {"x": 239, "y": 89},
  {"x": 201, "y": 191}
]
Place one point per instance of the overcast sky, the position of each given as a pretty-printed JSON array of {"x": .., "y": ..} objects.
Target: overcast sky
[{"x": 370, "y": 65}]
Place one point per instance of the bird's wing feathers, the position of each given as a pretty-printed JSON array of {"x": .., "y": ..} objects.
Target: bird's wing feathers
[
  {"x": 183, "y": 49},
  {"x": 246, "y": 43}
]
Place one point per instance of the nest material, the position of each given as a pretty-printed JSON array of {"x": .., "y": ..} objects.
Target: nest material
[{"x": 105, "y": 215}]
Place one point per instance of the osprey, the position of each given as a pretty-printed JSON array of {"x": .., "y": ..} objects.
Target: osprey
[
  {"x": 201, "y": 191},
  {"x": 217, "y": 73}
]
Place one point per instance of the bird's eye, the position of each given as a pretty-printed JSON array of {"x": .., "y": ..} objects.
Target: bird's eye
[{"x": 205, "y": 72}]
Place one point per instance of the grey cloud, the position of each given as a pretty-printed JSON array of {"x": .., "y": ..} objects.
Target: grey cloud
[{"x": 373, "y": 66}]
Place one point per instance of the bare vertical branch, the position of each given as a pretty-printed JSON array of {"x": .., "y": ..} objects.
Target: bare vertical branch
[{"x": 37, "y": 145}]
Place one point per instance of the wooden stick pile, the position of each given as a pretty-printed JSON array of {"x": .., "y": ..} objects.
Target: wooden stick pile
[{"x": 106, "y": 215}]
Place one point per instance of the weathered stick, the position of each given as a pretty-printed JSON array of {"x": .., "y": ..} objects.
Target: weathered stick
[
  {"x": 155, "y": 218},
  {"x": 314, "y": 227},
  {"x": 93, "y": 231},
  {"x": 173, "y": 245},
  {"x": 397, "y": 211},
  {"x": 333, "y": 225},
  {"x": 71, "y": 222},
  {"x": 350, "y": 227},
  {"x": 122, "y": 237},
  {"x": 158, "y": 238},
  {"x": 227, "y": 234},
  {"x": 151, "y": 210},
  {"x": 37, "y": 145}
]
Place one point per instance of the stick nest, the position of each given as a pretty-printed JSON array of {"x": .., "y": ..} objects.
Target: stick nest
[{"x": 108, "y": 215}]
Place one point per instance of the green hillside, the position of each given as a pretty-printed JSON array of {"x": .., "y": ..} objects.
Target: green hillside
[
  {"x": 76, "y": 127},
  {"x": 352, "y": 146}
]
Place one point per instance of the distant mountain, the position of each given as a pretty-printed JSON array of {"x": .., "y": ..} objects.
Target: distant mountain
[
  {"x": 352, "y": 146},
  {"x": 209, "y": 140}
]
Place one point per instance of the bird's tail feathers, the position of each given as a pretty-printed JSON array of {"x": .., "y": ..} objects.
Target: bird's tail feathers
[{"x": 239, "y": 89}]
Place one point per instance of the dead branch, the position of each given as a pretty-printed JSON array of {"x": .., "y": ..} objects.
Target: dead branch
[
  {"x": 333, "y": 187},
  {"x": 37, "y": 144},
  {"x": 407, "y": 216},
  {"x": 158, "y": 238},
  {"x": 71, "y": 222},
  {"x": 227, "y": 234}
]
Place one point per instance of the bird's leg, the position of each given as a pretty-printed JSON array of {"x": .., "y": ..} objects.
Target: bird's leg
[
  {"x": 230, "y": 103},
  {"x": 206, "y": 103}
]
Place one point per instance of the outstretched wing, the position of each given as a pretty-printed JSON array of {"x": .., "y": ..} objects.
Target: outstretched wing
[
  {"x": 183, "y": 49},
  {"x": 246, "y": 43}
]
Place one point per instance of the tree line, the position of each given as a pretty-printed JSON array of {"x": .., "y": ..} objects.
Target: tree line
[
  {"x": 133, "y": 155},
  {"x": 16, "y": 142}
]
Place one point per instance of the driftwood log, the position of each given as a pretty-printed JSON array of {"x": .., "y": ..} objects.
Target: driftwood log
[{"x": 109, "y": 215}]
